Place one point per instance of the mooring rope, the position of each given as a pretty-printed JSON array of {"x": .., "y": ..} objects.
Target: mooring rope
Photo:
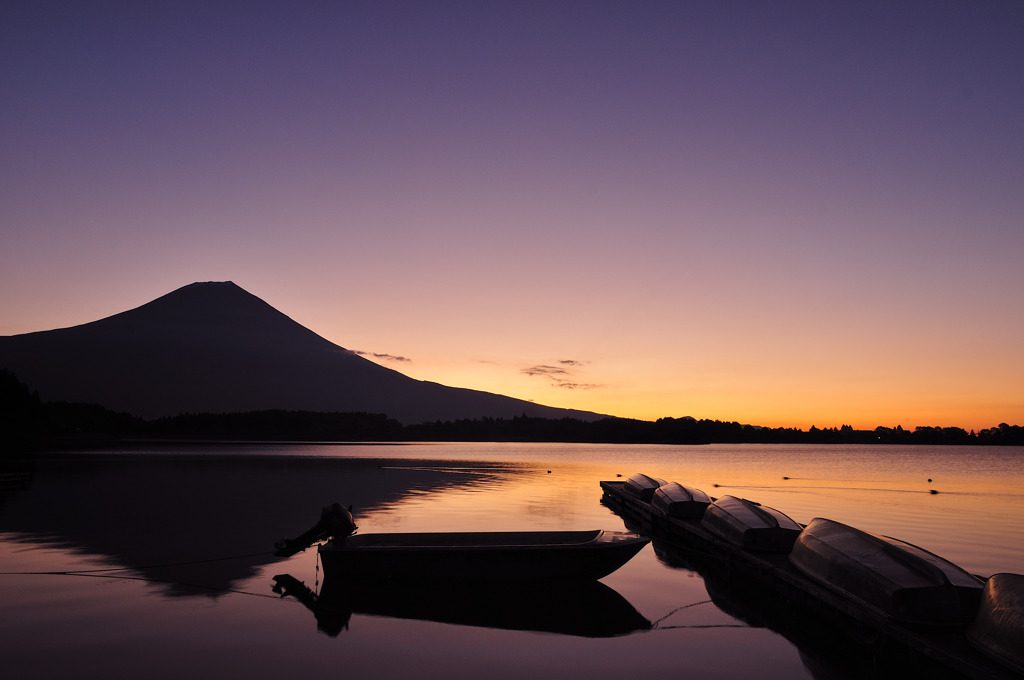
[
  {"x": 705, "y": 625},
  {"x": 146, "y": 579},
  {"x": 678, "y": 609}
]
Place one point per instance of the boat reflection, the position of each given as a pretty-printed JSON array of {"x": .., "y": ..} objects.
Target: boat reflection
[
  {"x": 830, "y": 647},
  {"x": 584, "y": 609}
]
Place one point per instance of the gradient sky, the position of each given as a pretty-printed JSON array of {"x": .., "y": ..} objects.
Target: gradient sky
[{"x": 780, "y": 213}]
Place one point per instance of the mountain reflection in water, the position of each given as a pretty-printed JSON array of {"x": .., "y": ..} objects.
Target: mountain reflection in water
[{"x": 203, "y": 524}]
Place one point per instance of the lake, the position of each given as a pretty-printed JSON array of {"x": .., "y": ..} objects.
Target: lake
[{"x": 173, "y": 576}]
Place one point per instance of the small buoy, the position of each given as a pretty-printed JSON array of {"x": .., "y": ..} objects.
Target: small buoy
[
  {"x": 618, "y": 475},
  {"x": 785, "y": 477},
  {"x": 929, "y": 480},
  {"x": 549, "y": 472},
  {"x": 933, "y": 492},
  {"x": 715, "y": 485}
]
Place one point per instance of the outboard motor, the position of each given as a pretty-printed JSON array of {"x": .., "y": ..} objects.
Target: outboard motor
[{"x": 335, "y": 521}]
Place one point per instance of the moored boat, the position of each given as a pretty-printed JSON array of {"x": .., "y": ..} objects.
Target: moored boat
[
  {"x": 998, "y": 628},
  {"x": 480, "y": 556},
  {"x": 682, "y": 502},
  {"x": 643, "y": 486},
  {"x": 900, "y": 580},
  {"x": 750, "y": 525},
  {"x": 463, "y": 556}
]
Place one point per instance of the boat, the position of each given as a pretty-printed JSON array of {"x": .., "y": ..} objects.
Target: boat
[
  {"x": 998, "y": 628},
  {"x": 750, "y": 525},
  {"x": 682, "y": 502},
  {"x": 515, "y": 556},
  {"x": 580, "y": 608},
  {"x": 463, "y": 556},
  {"x": 642, "y": 486},
  {"x": 897, "y": 579}
]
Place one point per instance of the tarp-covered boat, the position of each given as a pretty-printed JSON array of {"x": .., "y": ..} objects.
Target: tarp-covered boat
[
  {"x": 642, "y": 486},
  {"x": 682, "y": 502},
  {"x": 900, "y": 580},
  {"x": 998, "y": 628},
  {"x": 464, "y": 556},
  {"x": 750, "y": 525}
]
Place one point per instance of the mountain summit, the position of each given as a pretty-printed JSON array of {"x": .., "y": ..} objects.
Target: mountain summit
[{"x": 216, "y": 348}]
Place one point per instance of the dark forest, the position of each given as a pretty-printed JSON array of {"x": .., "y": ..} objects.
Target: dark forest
[{"x": 29, "y": 423}]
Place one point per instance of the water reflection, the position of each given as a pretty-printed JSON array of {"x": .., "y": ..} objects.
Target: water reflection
[
  {"x": 832, "y": 645},
  {"x": 587, "y": 609},
  {"x": 176, "y": 520},
  {"x": 204, "y": 522}
]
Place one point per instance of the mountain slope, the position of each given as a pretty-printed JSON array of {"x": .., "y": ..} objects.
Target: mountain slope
[{"x": 213, "y": 347}]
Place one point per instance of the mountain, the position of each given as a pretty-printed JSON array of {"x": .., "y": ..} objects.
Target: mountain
[{"x": 214, "y": 347}]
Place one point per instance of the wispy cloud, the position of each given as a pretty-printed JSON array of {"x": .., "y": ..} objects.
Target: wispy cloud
[
  {"x": 381, "y": 357},
  {"x": 566, "y": 385},
  {"x": 542, "y": 370},
  {"x": 560, "y": 375}
]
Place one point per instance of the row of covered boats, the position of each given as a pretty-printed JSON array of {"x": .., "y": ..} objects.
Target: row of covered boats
[{"x": 888, "y": 579}]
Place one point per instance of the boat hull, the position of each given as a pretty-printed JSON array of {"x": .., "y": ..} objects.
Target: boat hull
[
  {"x": 509, "y": 556},
  {"x": 643, "y": 486},
  {"x": 900, "y": 580},
  {"x": 682, "y": 502},
  {"x": 751, "y": 526},
  {"x": 998, "y": 629}
]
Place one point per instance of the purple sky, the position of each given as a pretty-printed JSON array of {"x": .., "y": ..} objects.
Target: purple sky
[{"x": 786, "y": 213}]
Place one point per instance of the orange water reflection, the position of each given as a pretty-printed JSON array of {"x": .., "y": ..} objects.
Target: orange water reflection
[{"x": 975, "y": 516}]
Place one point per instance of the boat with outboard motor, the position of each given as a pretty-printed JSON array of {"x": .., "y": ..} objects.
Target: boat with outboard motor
[{"x": 463, "y": 556}]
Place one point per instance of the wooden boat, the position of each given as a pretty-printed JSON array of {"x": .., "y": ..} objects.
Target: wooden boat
[
  {"x": 682, "y": 502},
  {"x": 480, "y": 556},
  {"x": 642, "y": 486},
  {"x": 750, "y": 525},
  {"x": 998, "y": 628},
  {"x": 902, "y": 581},
  {"x": 580, "y": 608},
  {"x": 462, "y": 556}
]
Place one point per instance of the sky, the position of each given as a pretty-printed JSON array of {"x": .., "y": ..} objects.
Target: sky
[{"x": 788, "y": 214}]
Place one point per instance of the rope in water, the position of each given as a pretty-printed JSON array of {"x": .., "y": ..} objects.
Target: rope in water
[
  {"x": 146, "y": 579},
  {"x": 654, "y": 624}
]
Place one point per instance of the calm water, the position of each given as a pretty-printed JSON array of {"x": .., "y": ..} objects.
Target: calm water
[{"x": 174, "y": 576}]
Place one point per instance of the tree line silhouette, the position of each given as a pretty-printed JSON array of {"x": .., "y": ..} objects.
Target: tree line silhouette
[{"x": 27, "y": 422}]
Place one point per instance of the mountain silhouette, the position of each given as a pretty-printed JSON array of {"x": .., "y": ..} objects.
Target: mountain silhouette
[{"x": 215, "y": 348}]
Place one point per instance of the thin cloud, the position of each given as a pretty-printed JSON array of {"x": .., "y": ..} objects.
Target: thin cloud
[
  {"x": 560, "y": 376},
  {"x": 381, "y": 357},
  {"x": 565, "y": 384},
  {"x": 545, "y": 371}
]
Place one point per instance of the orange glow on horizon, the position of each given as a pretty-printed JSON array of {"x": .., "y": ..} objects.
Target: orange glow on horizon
[{"x": 807, "y": 407}]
